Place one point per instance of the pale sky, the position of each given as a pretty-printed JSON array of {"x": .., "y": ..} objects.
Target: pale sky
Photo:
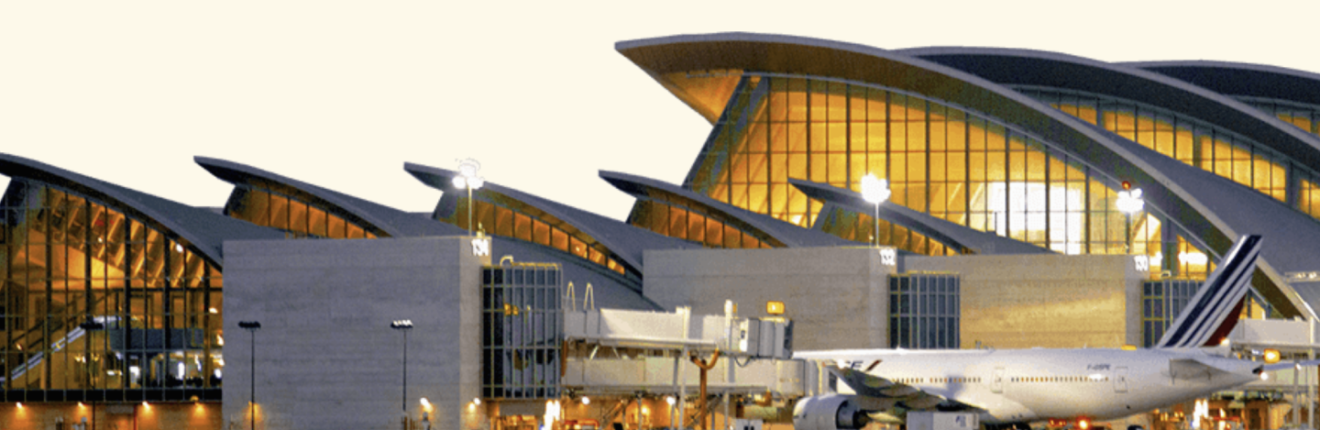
[{"x": 340, "y": 94}]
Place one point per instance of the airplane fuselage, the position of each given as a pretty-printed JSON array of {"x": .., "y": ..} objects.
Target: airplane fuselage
[{"x": 1039, "y": 384}]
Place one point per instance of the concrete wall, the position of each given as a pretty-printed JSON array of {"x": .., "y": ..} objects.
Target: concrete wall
[
  {"x": 326, "y": 356},
  {"x": 1044, "y": 300},
  {"x": 837, "y": 297}
]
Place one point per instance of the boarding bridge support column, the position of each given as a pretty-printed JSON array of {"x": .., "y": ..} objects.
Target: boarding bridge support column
[
  {"x": 729, "y": 367},
  {"x": 679, "y": 367},
  {"x": 1297, "y": 394},
  {"x": 726, "y": 411}
]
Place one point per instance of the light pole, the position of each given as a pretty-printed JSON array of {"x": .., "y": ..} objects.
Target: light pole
[
  {"x": 875, "y": 191},
  {"x": 467, "y": 178},
  {"x": 404, "y": 326},
  {"x": 1129, "y": 202},
  {"x": 251, "y": 327}
]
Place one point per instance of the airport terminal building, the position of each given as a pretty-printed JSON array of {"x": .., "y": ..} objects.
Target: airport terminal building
[{"x": 1002, "y": 230}]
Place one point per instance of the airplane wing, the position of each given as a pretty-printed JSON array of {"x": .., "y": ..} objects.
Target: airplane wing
[{"x": 884, "y": 394}]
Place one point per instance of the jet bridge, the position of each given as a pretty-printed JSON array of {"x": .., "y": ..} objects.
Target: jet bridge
[
  {"x": 629, "y": 356},
  {"x": 546, "y": 359},
  {"x": 624, "y": 351}
]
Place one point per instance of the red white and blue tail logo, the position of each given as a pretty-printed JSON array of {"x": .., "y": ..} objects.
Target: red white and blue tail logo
[{"x": 1213, "y": 310}]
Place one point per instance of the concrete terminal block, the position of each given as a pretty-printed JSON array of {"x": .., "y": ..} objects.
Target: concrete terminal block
[
  {"x": 326, "y": 356},
  {"x": 839, "y": 297}
]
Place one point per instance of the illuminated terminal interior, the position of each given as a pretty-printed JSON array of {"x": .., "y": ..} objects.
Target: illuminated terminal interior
[
  {"x": 115, "y": 299},
  {"x": 298, "y": 218},
  {"x": 153, "y": 302},
  {"x": 938, "y": 158},
  {"x": 510, "y": 218}
]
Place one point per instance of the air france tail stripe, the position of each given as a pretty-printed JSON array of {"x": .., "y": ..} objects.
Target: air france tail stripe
[
  {"x": 1216, "y": 298},
  {"x": 1240, "y": 284},
  {"x": 1237, "y": 287},
  {"x": 1232, "y": 278},
  {"x": 1208, "y": 293},
  {"x": 1208, "y": 322}
]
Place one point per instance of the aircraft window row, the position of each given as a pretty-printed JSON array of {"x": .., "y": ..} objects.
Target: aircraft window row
[
  {"x": 954, "y": 380},
  {"x": 1029, "y": 379}
]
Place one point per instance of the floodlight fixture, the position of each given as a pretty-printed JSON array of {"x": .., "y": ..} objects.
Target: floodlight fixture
[{"x": 876, "y": 191}]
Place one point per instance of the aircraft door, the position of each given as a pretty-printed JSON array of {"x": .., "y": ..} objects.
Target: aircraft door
[
  {"x": 997, "y": 382},
  {"x": 1120, "y": 379}
]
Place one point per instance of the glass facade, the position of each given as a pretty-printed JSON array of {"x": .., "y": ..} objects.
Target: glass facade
[
  {"x": 1163, "y": 300},
  {"x": 510, "y": 218},
  {"x": 860, "y": 228},
  {"x": 1307, "y": 118},
  {"x": 1198, "y": 143},
  {"x": 1303, "y": 116},
  {"x": 939, "y": 158},
  {"x": 521, "y": 336},
  {"x": 102, "y": 305},
  {"x": 924, "y": 311},
  {"x": 296, "y": 217},
  {"x": 705, "y": 227}
]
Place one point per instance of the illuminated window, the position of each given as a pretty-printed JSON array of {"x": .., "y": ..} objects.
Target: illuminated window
[
  {"x": 1195, "y": 142},
  {"x": 939, "y": 159},
  {"x": 135, "y": 278},
  {"x": 709, "y": 229},
  {"x": 294, "y": 216},
  {"x": 512, "y": 219},
  {"x": 924, "y": 311}
]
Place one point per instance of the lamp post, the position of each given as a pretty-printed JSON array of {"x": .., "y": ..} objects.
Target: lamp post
[
  {"x": 875, "y": 191},
  {"x": 251, "y": 327},
  {"x": 467, "y": 178},
  {"x": 404, "y": 326},
  {"x": 1129, "y": 202}
]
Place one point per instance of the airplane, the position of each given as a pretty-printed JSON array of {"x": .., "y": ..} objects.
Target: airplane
[{"x": 1009, "y": 389}]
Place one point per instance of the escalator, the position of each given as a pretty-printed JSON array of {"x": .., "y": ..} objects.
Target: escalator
[
  {"x": 56, "y": 249},
  {"x": 151, "y": 357},
  {"x": 19, "y": 367}
]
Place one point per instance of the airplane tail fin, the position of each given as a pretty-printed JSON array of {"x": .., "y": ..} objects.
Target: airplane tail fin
[{"x": 1214, "y": 309}]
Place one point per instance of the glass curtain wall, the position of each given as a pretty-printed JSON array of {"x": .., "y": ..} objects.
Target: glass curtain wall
[
  {"x": 1163, "y": 300},
  {"x": 296, "y": 217},
  {"x": 924, "y": 311},
  {"x": 1303, "y": 116},
  {"x": 674, "y": 220},
  {"x": 521, "y": 333},
  {"x": 66, "y": 261},
  {"x": 1307, "y": 118},
  {"x": 860, "y": 228},
  {"x": 1198, "y": 143},
  {"x": 510, "y": 218},
  {"x": 939, "y": 158}
]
